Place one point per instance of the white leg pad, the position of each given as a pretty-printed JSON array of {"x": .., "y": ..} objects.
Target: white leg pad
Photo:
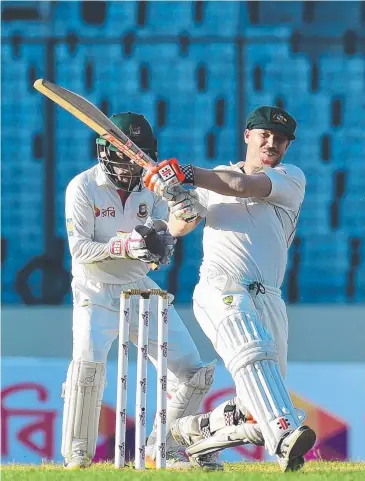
[
  {"x": 185, "y": 400},
  {"x": 255, "y": 370},
  {"x": 83, "y": 393}
]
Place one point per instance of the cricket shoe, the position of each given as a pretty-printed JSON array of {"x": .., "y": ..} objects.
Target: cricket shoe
[
  {"x": 294, "y": 446},
  {"x": 77, "y": 460},
  {"x": 181, "y": 430},
  {"x": 187, "y": 433},
  {"x": 209, "y": 462},
  {"x": 174, "y": 460}
]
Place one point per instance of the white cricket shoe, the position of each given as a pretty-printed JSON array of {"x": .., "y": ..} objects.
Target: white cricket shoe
[
  {"x": 181, "y": 430},
  {"x": 293, "y": 448},
  {"x": 78, "y": 460}
]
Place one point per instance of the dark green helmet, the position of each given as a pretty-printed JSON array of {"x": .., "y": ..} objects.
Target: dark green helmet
[{"x": 138, "y": 129}]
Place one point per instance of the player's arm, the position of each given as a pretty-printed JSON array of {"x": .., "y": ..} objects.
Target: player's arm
[
  {"x": 147, "y": 243},
  {"x": 221, "y": 181},
  {"x": 180, "y": 227},
  {"x": 232, "y": 183},
  {"x": 80, "y": 227}
]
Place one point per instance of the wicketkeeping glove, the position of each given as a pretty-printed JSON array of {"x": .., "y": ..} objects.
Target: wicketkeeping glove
[{"x": 150, "y": 243}]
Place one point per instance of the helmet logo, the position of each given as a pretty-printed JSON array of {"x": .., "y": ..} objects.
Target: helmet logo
[
  {"x": 279, "y": 118},
  {"x": 134, "y": 131},
  {"x": 142, "y": 210}
]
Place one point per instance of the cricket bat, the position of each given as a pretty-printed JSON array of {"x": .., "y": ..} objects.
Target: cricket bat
[{"x": 95, "y": 119}]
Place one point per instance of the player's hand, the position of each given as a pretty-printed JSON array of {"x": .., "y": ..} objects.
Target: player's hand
[
  {"x": 131, "y": 246},
  {"x": 185, "y": 205},
  {"x": 162, "y": 243},
  {"x": 151, "y": 243},
  {"x": 165, "y": 177}
]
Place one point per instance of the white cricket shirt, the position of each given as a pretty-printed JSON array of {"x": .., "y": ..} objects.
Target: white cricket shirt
[
  {"x": 248, "y": 238},
  {"x": 94, "y": 214}
]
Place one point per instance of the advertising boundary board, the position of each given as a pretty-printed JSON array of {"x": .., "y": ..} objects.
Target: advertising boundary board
[{"x": 31, "y": 409}]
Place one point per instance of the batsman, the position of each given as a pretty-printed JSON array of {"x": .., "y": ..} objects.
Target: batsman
[
  {"x": 250, "y": 211},
  {"x": 116, "y": 230}
]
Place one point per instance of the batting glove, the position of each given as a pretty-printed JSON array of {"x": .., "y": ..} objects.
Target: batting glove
[
  {"x": 185, "y": 205},
  {"x": 166, "y": 176}
]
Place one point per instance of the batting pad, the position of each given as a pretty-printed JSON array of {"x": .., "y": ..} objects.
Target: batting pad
[
  {"x": 185, "y": 400},
  {"x": 254, "y": 367},
  {"x": 83, "y": 392}
]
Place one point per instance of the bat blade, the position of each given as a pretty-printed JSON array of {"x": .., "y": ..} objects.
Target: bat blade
[{"x": 94, "y": 118}]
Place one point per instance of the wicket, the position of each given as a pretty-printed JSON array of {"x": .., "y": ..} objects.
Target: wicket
[{"x": 141, "y": 384}]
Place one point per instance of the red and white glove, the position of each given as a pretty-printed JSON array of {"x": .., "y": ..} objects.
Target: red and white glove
[
  {"x": 130, "y": 245},
  {"x": 164, "y": 178}
]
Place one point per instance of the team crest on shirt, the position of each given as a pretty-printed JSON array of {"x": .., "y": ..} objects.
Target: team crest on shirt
[
  {"x": 142, "y": 210},
  {"x": 228, "y": 301}
]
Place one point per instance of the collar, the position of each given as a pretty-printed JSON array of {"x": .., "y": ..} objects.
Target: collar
[
  {"x": 101, "y": 178},
  {"x": 239, "y": 167}
]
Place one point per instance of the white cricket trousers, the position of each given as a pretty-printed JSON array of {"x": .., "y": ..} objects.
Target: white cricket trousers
[{"x": 213, "y": 304}]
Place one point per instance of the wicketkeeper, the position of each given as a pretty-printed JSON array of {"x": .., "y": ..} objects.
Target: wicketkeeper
[
  {"x": 251, "y": 211},
  {"x": 116, "y": 230}
]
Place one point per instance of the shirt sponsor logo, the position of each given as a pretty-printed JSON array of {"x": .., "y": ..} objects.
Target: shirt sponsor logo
[
  {"x": 70, "y": 227},
  {"x": 142, "y": 210},
  {"x": 108, "y": 212},
  {"x": 96, "y": 211}
]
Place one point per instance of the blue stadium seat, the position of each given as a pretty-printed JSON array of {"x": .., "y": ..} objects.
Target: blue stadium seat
[{"x": 185, "y": 82}]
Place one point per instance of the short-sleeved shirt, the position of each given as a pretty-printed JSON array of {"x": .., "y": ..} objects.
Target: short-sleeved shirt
[
  {"x": 95, "y": 212},
  {"x": 249, "y": 238}
]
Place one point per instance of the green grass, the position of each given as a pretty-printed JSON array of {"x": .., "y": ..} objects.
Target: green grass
[{"x": 313, "y": 471}]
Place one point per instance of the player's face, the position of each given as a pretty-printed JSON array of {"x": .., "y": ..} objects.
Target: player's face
[
  {"x": 265, "y": 147},
  {"x": 124, "y": 169}
]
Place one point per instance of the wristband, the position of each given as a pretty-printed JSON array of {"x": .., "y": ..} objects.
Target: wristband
[{"x": 188, "y": 171}]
